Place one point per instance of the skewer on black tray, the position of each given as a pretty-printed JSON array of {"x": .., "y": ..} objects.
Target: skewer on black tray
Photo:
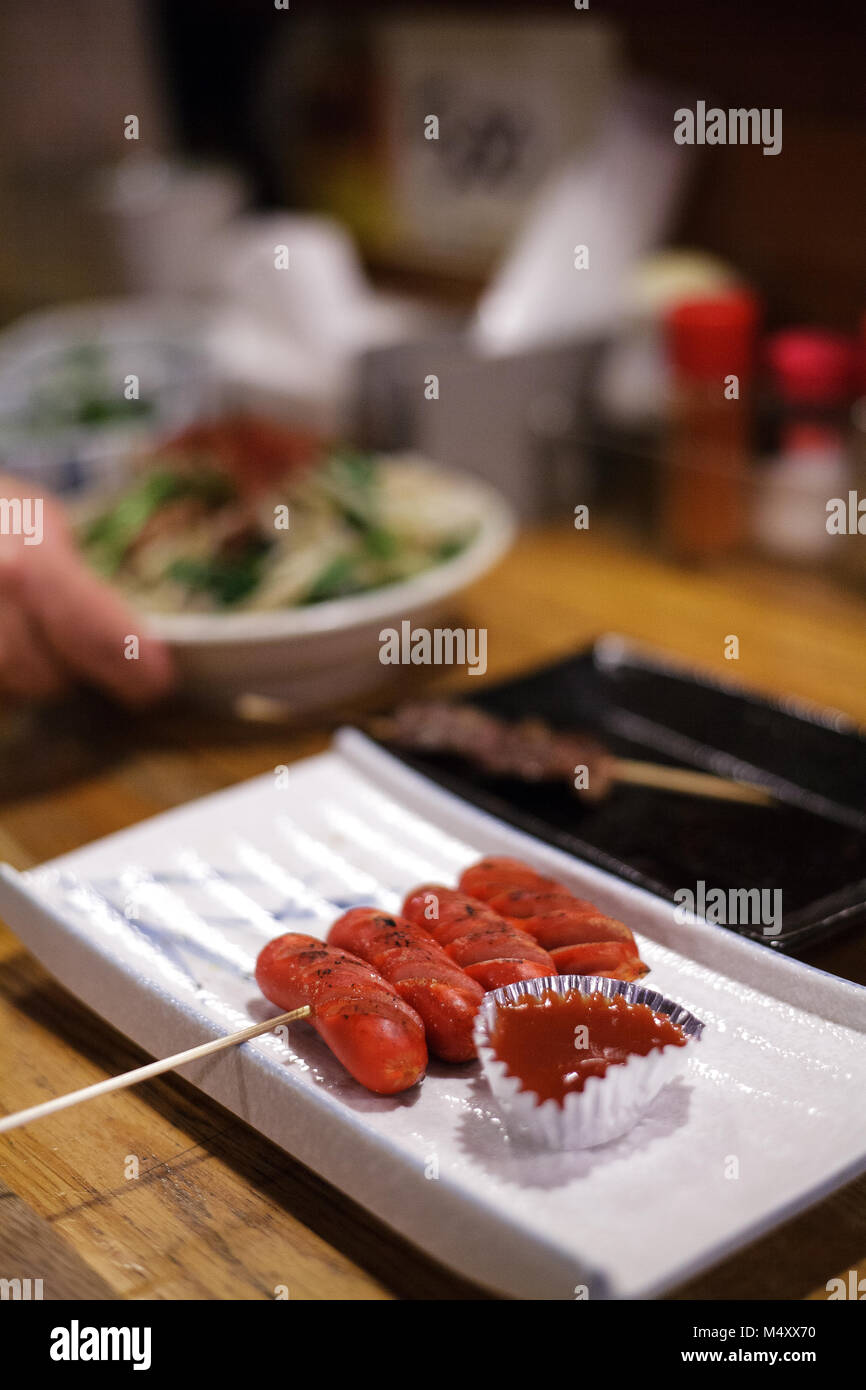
[{"x": 533, "y": 751}]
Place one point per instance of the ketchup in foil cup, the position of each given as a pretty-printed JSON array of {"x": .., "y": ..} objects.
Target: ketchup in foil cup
[{"x": 576, "y": 1060}]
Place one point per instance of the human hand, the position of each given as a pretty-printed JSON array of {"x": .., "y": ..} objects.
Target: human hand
[{"x": 59, "y": 623}]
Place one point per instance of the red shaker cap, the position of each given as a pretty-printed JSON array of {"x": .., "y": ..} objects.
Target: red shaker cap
[
  {"x": 812, "y": 366},
  {"x": 711, "y": 338}
]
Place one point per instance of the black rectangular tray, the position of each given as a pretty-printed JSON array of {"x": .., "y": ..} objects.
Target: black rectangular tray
[{"x": 811, "y": 844}]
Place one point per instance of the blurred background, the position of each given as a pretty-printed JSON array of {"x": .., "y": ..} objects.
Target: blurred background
[
  {"x": 502, "y": 258},
  {"x": 249, "y": 244}
]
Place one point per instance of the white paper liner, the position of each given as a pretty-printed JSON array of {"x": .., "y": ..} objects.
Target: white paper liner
[{"x": 609, "y": 1105}]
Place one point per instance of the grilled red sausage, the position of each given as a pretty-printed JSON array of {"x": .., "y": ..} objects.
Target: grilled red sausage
[
  {"x": 572, "y": 927},
  {"x": 581, "y": 940},
  {"x": 491, "y": 950},
  {"x": 377, "y": 1036},
  {"x": 445, "y": 997},
  {"x": 506, "y": 873},
  {"x": 616, "y": 960},
  {"x": 530, "y": 902}
]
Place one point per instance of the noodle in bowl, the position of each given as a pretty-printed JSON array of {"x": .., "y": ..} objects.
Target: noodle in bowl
[{"x": 322, "y": 654}]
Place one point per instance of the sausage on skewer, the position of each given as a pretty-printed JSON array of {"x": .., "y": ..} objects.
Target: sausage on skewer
[
  {"x": 580, "y": 939},
  {"x": 377, "y": 1036},
  {"x": 443, "y": 995},
  {"x": 500, "y": 871},
  {"x": 494, "y": 952}
]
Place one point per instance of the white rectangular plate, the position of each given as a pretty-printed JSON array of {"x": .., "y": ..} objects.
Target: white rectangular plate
[{"x": 157, "y": 929}]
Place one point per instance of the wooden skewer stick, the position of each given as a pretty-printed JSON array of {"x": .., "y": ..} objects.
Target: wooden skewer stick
[
  {"x": 683, "y": 779},
  {"x": 132, "y": 1078}
]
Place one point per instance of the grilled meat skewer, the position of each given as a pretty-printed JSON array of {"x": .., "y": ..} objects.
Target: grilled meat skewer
[{"x": 532, "y": 751}]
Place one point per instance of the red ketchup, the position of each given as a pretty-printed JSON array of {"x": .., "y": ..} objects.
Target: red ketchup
[{"x": 553, "y": 1043}]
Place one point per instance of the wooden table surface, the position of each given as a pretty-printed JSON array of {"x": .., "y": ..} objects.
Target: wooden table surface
[{"x": 217, "y": 1212}]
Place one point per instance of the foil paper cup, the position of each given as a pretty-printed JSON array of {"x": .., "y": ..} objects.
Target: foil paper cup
[{"x": 609, "y": 1105}]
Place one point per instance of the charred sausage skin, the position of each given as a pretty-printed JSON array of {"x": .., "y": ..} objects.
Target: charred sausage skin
[
  {"x": 494, "y": 952},
  {"x": 443, "y": 995},
  {"x": 377, "y": 1036},
  {"x": 580, "y": 939}
]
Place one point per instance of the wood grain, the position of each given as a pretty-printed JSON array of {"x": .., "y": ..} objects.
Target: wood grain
[{"x": 217, "y": 1212}]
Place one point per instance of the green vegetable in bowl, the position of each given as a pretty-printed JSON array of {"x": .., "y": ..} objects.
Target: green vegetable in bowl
[
  {"x": 185, "y": 536},
  {"x": 339, "y": 578},
  {"x": 109, "y": 537},
  {"x": 226, "y": 580}
]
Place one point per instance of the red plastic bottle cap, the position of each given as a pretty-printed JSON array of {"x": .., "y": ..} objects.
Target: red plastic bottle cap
[
  {"x": 714, "y": 337},
  {"x": 812, "y": 366}
]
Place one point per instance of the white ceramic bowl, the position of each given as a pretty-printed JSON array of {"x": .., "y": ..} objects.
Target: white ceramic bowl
[
  {"x": 321, "y": 655},
  {"x": 154, "y": 340}
]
